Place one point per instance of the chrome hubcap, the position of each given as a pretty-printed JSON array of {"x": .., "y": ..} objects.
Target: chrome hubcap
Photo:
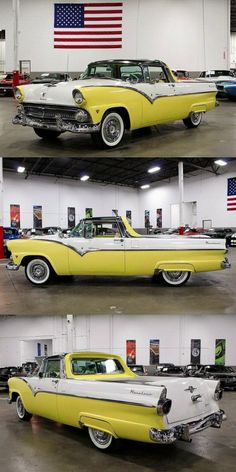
[
  {"x": 38, "y": 271},
  {"x": 175, "y": 276},
  {"x": 112, "y": 130},
  {"x": 196, "y": 118},
  {"x": 101, "y": 437}
]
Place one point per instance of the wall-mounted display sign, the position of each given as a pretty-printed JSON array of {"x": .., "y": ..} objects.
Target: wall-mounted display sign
[
  {"x": 71, "y": 217},
  {"x": 220, "y": 351},
  {"x": 195, "y": 351},
  {"x": 131, "y": 351},
  {"x": 37, "y": 216},
  {"x": 15, "y": 216},
  {"x": 154, "y": 351}
]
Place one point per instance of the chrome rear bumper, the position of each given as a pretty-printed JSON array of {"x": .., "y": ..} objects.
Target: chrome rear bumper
[{"x": 184, "y": 431}]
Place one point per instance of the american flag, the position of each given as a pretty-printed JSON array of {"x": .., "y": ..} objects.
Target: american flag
[
  {"x": 88, "y": 25},
  {"x": 231, "y": 194}
]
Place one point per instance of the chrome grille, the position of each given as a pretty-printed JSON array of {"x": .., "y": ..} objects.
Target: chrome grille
[{"x": 49, "y": 112}]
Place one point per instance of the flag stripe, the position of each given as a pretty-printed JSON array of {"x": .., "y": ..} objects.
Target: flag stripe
[
  {"x": 92, "y": 26},
  {"x": 88, "y": 46},
  {"x": 101, "y": 12},
  {"x": 105, "y": 4},
  {"x": 81, "y": 33},
  {"x": 104, "y": 18},
  {"x": 82, "y": 40}
]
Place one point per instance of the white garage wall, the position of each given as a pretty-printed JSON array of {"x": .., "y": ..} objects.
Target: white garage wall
[
  {"x": 183, "y": 33},
  {"x": 208, "y": 190},
  {"x": 56, "y": 195},
  {"x": 109, "y": 334}
]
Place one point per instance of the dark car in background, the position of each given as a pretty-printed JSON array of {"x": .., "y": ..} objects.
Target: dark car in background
[
  {"x": 6, "y": 373},
  {"x": 171, "y": 371},
  {"x": 225, "y": 374},
  {"x": 51, "y": 78},
  {"x": 138, "y": 369}
]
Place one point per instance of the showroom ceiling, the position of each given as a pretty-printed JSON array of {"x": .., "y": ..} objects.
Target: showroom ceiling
[{"x": 119, "y": 171}]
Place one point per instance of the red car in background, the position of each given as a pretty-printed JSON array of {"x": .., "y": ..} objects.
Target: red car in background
[
  {"x": 181, "y": 74},
  {"x": 7, "y": 82}
]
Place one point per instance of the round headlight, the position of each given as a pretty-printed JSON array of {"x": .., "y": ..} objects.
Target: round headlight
[
  {"x": 78, "y": 97},
  {"x": 18, "y": 94}
]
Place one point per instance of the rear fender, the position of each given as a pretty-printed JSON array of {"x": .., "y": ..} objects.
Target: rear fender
[
  {"x": 174, "y": 266},
  {"x": 90, "y": 421}
]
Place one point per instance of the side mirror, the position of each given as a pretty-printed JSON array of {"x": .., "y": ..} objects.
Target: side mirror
[{"x": 40, "y": 375}]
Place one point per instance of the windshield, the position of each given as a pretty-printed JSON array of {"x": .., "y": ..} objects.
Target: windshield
[{"x": 89, "y": 366}]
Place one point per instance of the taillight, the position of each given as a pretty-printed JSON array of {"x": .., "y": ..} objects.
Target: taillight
[
  {"x": 218, "y": 394},
  {"x": 164, "y": 404}
]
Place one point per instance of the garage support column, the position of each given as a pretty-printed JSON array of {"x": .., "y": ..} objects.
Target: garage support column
[
  {"x": 16, "y": 13},
  {"x": 1, "y": 209},
  {"x": 70, "y": 332},
  {"x": 181, "y": 194}
]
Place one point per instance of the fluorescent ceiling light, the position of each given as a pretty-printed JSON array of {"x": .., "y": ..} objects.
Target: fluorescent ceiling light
[
  {"x": 143, "y": 187},
  {"x": 84, "y": 178},
  {"x": 152, "y": 170},
  {"x": 220, "y": 162},
  {"x": 20, "y": 169}
]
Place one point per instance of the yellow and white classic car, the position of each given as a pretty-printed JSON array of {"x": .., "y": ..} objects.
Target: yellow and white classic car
[
  {"x": 113, "y": 96},
  {"x": 98, "y": 392},
  {"x": 110, "y": 246}
]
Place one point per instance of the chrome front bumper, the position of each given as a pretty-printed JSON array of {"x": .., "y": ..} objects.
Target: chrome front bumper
[
  {"x": 184, "y": 432},
  {"x": 225, "y": 264},
  {"x": 12, "y": 266},
  {"x": 59, "y": 125}
]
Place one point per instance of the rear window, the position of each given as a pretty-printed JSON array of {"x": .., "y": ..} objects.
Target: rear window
[{"x": 90, "y": 366}]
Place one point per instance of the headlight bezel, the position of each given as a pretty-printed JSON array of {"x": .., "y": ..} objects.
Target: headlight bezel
[{"x": 78, "y": 97}]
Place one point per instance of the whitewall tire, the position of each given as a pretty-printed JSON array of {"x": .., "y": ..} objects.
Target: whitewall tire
[
  {"x": 38, "y": 271},
  {"x": 22, "y": 414},
  {"x": 175, "y": 278},
  {"x": 193, "y": 120},
  {"x": 111, "y": 132},
  {"x": 100, "y": 439}
]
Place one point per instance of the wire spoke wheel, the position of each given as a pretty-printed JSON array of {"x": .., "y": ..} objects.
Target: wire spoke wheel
[
  {"x": 175, "y": 277},
  {"x": 112, "y": 129},
  {"x": 37, "y": 271},
  {"x": 101, "y": 439}
]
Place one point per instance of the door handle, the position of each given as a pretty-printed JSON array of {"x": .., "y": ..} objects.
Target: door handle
[
  {"x": 55, "y": 381},
  {"x": 118, "y": 240}
]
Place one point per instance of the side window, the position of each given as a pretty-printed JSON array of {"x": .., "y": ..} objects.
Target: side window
[
  {"x": 131, "y": 73},
  {"x": 107, "y": 230},
  {"x": 155, "y": 74},
  {"x": 52, "y": 368}
]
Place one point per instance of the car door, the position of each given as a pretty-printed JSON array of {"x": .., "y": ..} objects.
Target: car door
[
  {"x": 99, "y": 252},
  {"x": 45, "y": 387},
  {"x": 159, "y": 92}
]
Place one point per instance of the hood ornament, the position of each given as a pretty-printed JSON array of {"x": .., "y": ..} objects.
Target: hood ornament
[{"x": 190, "y": 389}]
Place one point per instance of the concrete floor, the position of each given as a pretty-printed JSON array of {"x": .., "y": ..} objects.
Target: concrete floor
[
  {"x": 41, "y": 445},
  {"x": 215, "y": 137},
  {"x": 205, "y": 293}
]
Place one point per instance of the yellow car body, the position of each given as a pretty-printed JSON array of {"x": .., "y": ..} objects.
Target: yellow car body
[
  {"x": 122, "y": 254},
  {"x": 118, "y": 404},
  {"x": 105, "y": 104}
]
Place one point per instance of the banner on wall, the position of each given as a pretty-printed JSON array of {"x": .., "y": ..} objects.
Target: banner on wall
[
  {"x": 88, "y": 212},
  {"x": 131, "y": 351},
  {"x": 37, "y": 216},
  {"x": 147, "y": 218},
  {"x": 195, "y": 357},
  {"x": 38, "y": 349},
  {"x": 154, "y": 351},
  {"x": 159, "y": 217},
  {"x": 129, "y": 216},
  {"x": 71, "y": 217},
  {"x": 15, "y": 216},
  {"x": 220, "y": 351}
]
